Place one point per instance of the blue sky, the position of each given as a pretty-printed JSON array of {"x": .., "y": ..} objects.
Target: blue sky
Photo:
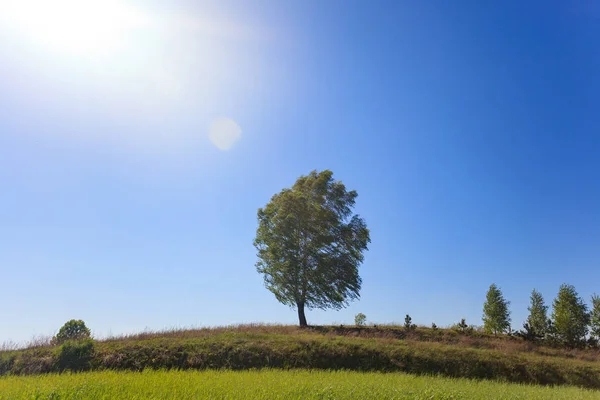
[{"x": 470, "y": 131}]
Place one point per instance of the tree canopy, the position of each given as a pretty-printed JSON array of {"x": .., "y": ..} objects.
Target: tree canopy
[
  {"x": 310, "y": 244},
  {"x": 595, "y": 317},
  {"x": 496, "y": 316},
  {"x": 72, "y": 330},
  {"x": 570, "y": 316},
  {"x": 537, "y": 321}
]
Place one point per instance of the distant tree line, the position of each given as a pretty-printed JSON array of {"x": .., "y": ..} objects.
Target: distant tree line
[{"x": 570, "y": 324}]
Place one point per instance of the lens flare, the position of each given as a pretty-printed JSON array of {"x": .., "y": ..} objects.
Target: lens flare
[{"x": 224, "y": 133}]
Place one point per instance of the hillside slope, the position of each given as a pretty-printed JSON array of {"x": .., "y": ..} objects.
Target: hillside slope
[{"x": 424, "y": 351}]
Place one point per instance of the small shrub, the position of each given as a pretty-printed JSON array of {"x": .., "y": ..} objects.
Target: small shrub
[
  {"x": 408, "y": 325},
  {"x": 462, "y": 326},
  {"x": 75, "y": 355},
  {"x": 360, "y": 319},
  {"x": 7, "y": 360},
  {"x": 528, "y": 333},
  {"x": 434, "y": 326},
  {"x": 72, "y": 330},
  {"x": 33, "y": 361}
]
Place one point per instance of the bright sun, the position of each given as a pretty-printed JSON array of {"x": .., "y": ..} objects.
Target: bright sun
[{"x": 74, "y": 26}]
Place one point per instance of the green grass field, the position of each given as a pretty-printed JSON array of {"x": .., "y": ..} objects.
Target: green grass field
[{"x": 270, "y": 384}]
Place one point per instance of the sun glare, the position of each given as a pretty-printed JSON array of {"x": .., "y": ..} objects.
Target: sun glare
[
  {"x": 75, "y": 26},
  {"x": 129, "y": 64}
]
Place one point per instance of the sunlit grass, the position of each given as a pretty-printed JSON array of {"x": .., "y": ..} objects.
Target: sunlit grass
[{"x": 270, "y": 384}]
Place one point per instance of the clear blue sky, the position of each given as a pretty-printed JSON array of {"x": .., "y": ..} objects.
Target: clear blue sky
[{"x": 471, "y": 132}]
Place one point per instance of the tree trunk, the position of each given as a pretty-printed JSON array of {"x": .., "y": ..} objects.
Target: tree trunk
[{"x": 301, "y": 316}]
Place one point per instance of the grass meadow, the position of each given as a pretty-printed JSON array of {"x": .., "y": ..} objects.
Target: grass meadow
[{"x": 270, "y": 384}]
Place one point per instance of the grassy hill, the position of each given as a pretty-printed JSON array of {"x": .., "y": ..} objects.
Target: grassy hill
[{"x": 426, "y": 351}]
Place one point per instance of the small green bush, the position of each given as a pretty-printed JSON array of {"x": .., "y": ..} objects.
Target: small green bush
[
  {"x": 7, "y": 360},
  {"x": 462, "y": 326},
  {"x": 72, "y": 330},
  {"x": 408, "y": 325},
  {"x": 360, "y": 319},
  {"x": 528, "y": 333},
  {"x": 75, "y": 355}
]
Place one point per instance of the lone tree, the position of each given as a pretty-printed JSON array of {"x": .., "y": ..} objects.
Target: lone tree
[
  {"x": 570, "y": 316},
  {"x": 537, "y": 321},
  {"x": 310, "y": 245},
  {"x": 496, "y": 316}
]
